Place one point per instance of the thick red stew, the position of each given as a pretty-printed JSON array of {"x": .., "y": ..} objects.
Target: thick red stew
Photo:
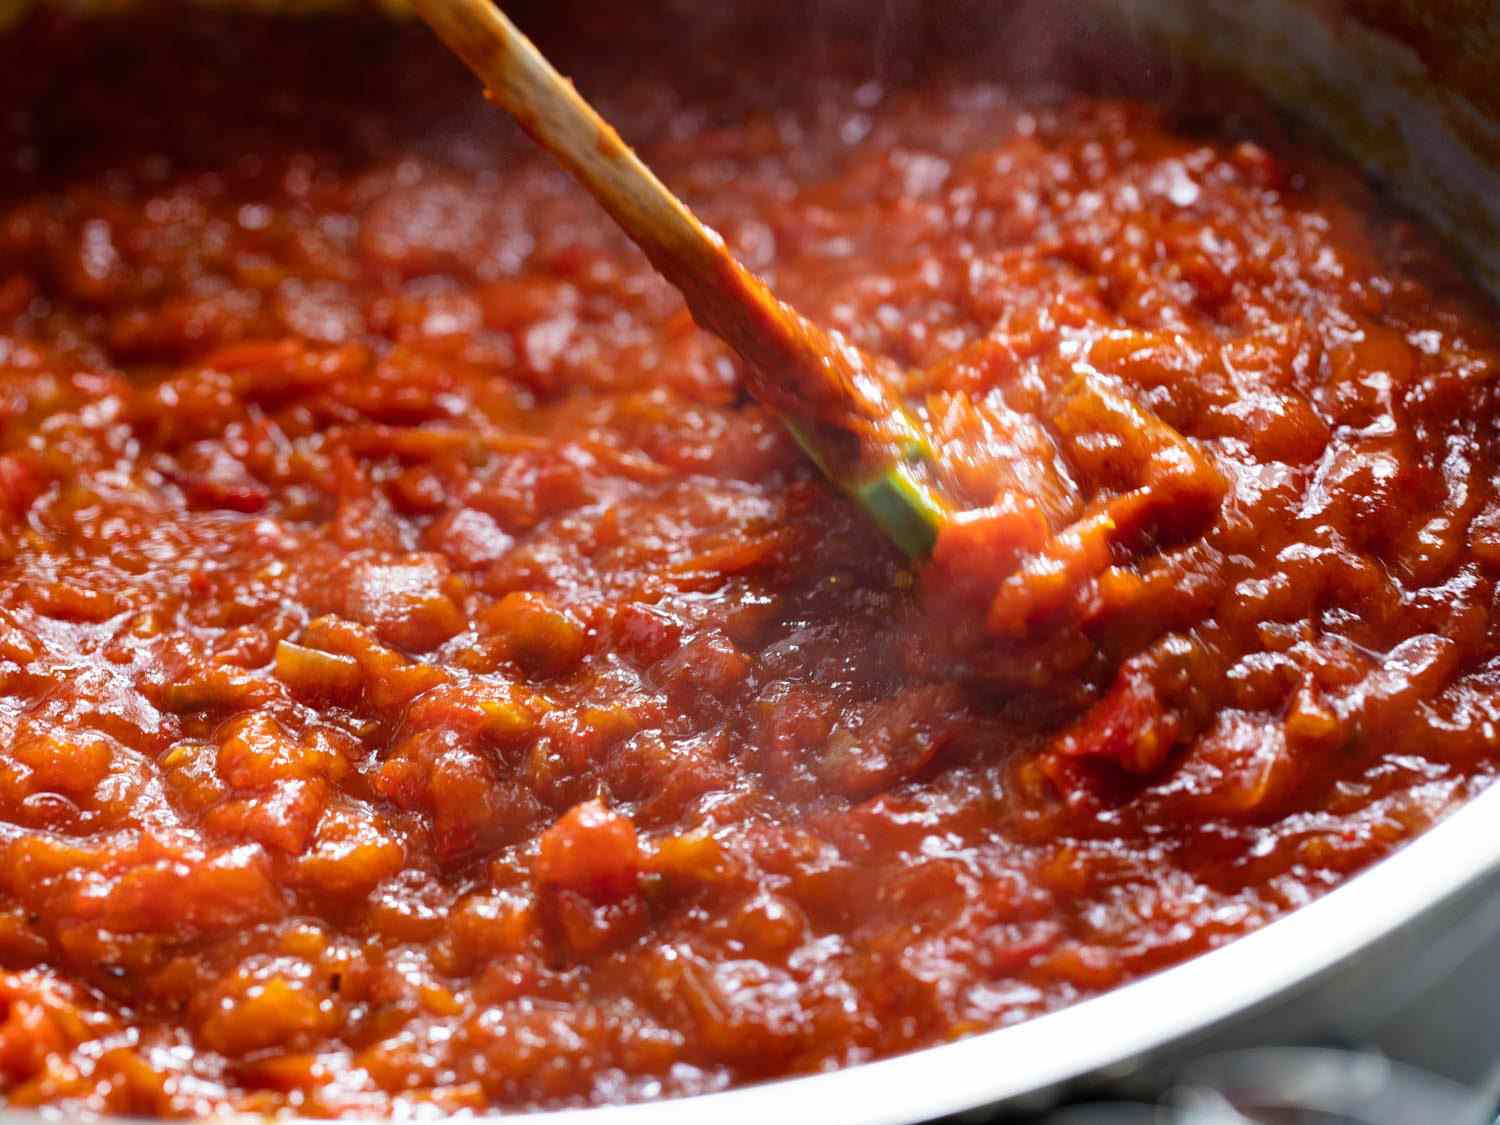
[{"x": 427, "y": 679}]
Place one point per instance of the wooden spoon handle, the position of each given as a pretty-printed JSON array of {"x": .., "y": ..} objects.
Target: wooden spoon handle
[
  {"x": 525, "y": 84},
  {"x": 727, "y": 298},
  {"x": 825, "y": 389}
]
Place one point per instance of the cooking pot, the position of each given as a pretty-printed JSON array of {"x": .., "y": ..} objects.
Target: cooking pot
[
  {"x": 1330, "y": 970},
  {"x": 1406, "y": 89}
]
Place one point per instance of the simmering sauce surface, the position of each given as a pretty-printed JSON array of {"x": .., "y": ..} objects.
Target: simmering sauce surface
[{"x": 425, "y": 677}]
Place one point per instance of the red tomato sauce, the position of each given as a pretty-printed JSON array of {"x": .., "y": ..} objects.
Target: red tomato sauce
[{"x": 425, "y": 677}]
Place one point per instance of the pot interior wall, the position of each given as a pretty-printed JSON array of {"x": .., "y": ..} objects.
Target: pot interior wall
[{"x": 1404, "y": 89}]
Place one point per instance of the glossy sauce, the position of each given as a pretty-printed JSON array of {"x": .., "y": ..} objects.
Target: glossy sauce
[{"x": 426, "y": 678}]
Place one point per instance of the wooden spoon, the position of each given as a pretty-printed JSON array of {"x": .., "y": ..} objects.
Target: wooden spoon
[{"x": 828, "y": 393}]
